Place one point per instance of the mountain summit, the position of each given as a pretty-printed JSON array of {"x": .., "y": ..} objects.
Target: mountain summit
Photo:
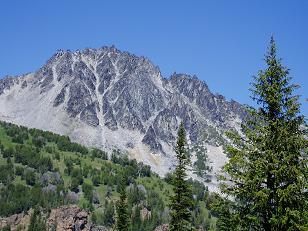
[{"x": 112, "y": 99}]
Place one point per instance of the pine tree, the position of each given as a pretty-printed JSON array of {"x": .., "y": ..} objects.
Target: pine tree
[
  {"x": 201, "y": 167},
  {"x": 181, "y": 201},
  {"x": 36, "y": 221},
  {"x": 122, "y": 218},
  {"x": 108, "y": 218},
  {"x": 267, "y": 168}
]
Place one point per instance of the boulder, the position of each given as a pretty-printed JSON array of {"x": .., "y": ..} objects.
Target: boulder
[
  {"x": 163, "y": 227},
  {"x": 67, "y": 218},
  {"x": 15, "y": 221}
]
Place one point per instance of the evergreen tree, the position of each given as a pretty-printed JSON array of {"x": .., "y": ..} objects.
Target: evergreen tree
[
  {"x": 181, "y": 201},
  {"x": 267, "y": 168},
  {"x": 6, "y": 228},
  {"x": 122, "y": 218},
  {"x": 36, "y": 222},
  {"x": 136, "y": 220},
  {"x": 201, "y": 167},
  {"x": 108, "y": 217}
]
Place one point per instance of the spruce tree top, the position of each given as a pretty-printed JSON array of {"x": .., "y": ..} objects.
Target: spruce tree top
[{"x": 267, "y": 170}]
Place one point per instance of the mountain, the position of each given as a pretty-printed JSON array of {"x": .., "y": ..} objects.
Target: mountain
[{"x": 108, "y": 99}]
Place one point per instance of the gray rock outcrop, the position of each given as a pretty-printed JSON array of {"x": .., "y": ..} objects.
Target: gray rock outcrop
[{"x": 109, "y": 98}]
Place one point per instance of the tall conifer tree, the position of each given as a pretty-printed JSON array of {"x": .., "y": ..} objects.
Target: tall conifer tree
[
  {"x": 122, "y": 218},
  {"x": 181, "y": 201},
  {"x": 36, "y": 221},
  {"x": 268, "y": 167}
]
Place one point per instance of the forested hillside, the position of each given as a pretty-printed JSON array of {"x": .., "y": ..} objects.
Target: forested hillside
[{"x": 43, "y": 170}]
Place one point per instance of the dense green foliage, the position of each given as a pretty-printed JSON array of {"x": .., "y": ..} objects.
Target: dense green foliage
[
  {"x": 181, "y": 201},
  {"x": 121, "y": 208},
  {"x": 44, "y": 170},
  {"x": 267, "y": 167},
  {"x": 36, "y": 222}
]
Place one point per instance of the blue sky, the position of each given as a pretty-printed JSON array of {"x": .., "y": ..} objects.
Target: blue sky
[{"x": 222, "y": 42}]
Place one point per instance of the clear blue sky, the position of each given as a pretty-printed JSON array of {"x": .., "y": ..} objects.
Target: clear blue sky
[{"x": 222, "y": 42}]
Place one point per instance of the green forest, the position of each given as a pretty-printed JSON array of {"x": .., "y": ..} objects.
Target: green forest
[{"x": 46, "y": 170}]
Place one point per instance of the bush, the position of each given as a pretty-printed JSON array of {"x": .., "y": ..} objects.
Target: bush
[
  {"x": 87, "y": 190},
  {"x": 30, "y": 177},
  {"x": 45, "y": 164},
  {"x": 6, "y": 228},
  {"x": 69, "y": 166},
  {"x": 96, "y": 153},
  {"x": 74, "y": 185},
  {"x": 14, "y": 199},
  {"x": 8, "y": 152},
  {"x": 57, "y": 156},
  {"x": 96, "y": 180},
  {"x": 19, "y": 170},
  {"x": 6, "y": 173},
  {"x": 49, "y": 149},
  {"x": 109, "y": 214},
  {"x": 36, "y": 222}
]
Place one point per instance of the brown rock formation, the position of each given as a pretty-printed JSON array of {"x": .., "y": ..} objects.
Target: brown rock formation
[
  {"x": 164, "y": 227},
  {"x": 67, "y": 218},
  {"x": 15, "y": 221}
]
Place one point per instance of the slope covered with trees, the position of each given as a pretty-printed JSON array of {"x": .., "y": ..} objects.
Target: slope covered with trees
[{"x": 40, "y": 169}]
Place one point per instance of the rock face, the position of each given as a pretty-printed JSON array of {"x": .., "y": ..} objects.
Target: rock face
[
  {"x": 145, "y": 214},
  {"x": 164, "y": 227},
  {"x": 108, "y": 98},
  {"x": 16, "y": 221},
  {"x": 64, "y": 218},
  {"x": 67, "y": 218}
]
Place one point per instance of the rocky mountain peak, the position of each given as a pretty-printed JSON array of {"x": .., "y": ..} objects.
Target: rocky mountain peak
[{"x": 110, "y": 98}]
